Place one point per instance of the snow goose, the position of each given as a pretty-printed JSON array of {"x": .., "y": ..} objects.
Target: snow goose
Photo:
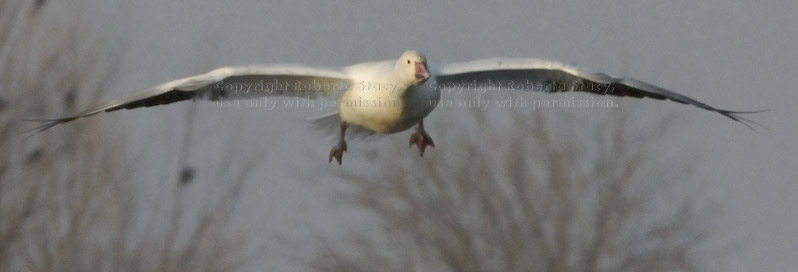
[{"x": 388, "y": 96}]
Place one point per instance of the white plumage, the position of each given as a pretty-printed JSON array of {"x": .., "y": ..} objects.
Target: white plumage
[{"x": 388, "y": 96}]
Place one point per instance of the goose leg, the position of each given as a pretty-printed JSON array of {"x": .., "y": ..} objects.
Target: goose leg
[
  {"x": 338, "y": 150},
  {"x": 421, "y": 138}
]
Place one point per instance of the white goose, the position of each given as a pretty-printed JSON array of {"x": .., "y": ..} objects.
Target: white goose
[{"x": 388, "y": 96}]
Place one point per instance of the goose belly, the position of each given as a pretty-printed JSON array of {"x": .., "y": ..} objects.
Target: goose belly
[
  {"x": 376, "y": 110},
  {"x": 388, "y": 111},
  {"x": 419, "y": 102}
]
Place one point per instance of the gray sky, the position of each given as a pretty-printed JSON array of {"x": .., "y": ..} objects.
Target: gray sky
[{"x": 732, "y": 54}]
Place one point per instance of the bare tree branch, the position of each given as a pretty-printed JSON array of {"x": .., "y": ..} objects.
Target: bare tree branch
[
  {"x": 67, "y": 202},
  {"x": 546, "y": 198}
]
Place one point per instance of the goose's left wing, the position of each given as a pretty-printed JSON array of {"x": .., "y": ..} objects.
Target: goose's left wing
[{"x": 552, "y": 76}]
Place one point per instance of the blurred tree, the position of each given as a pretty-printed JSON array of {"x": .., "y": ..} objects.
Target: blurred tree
[
  {"x": 66, "y": 200},
  {"x": 563, "y": 192}
]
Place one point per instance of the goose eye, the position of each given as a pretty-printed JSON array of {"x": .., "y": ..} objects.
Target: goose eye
[{"x": 408, "y": 61}]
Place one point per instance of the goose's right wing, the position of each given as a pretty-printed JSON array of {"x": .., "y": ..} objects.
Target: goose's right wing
[{"x": 228, "y": 83}]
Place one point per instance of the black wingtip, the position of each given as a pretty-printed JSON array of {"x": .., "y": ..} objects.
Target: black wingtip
[
  {"x": 49, "y": 123},
  {"x": 735, "y": 115}
]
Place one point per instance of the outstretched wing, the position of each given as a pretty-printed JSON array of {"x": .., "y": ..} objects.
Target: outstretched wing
[
  {"x": 552, "y": 76},
  {"x": 227, "y": 83}
]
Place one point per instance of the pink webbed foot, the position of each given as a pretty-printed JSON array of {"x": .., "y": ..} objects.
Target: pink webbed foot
[
  {"x": 421, "y": 139},
  {"x": 337, "y": 152}
]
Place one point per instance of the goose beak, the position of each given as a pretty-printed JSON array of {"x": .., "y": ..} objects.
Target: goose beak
[{"x": 421, "y": 71}]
